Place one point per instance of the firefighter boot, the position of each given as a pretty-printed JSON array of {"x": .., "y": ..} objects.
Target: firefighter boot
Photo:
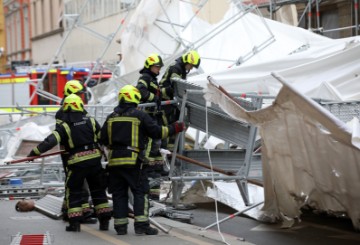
[
  {"x": 146, "y": 230},
  {"x": 73, "y": 226},
  {"x": 104, "y": 223},
  {"x": 88, "y": 218},
  {"x": 121, "y": 229}
]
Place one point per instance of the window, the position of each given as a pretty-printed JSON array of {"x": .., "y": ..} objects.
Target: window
[{"x": 45, "y": 87}]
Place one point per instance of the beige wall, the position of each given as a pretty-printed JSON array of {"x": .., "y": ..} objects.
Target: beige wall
[
  {"x": 17, "y": 31},
  {"x": 45, "y": 16},
  {"x": 83, "y": 46},
  {"x": 46, "y": 32}
]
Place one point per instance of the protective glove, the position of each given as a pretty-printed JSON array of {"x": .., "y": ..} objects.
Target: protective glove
[
  {"x": 31, "y": 154},
  {"x": 179, "y": 127},
  {"x": 157, "y": 100},
  {"x": 169, "y": 92}
]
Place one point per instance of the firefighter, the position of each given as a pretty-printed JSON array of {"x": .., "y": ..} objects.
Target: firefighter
[
  {"x": 124, "y": 134},
  {"x": 74, "y": 87},
  {"x": 79, "y": 134},
  {"x": 179, "y": 69},
  {"x": 150, "y": 92}
]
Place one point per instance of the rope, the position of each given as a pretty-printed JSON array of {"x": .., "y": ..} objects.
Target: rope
[{"x": 212, "y": 178}]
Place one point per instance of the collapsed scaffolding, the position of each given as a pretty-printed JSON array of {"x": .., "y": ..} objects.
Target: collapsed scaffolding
[
  {"x": 195, "y": 110},
  {"x": 75, "y": 21}
]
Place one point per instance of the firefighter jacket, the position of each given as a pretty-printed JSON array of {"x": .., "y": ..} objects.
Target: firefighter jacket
[
  {"x": 78, "y": 133},
  {"x": 175, "y": 70},
  {"x": 149, "y": 88},
  {"x": 125, "y": 134}
]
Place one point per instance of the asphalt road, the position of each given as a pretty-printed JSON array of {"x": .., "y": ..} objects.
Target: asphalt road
[{"x": 312, "y": 230}]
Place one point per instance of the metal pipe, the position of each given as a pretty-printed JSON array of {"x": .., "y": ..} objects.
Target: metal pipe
[
  {"x": 341, "y": 28},
  {"x": 109, "y": 40},
  {"x": 189, "y": 160},
  {"x": 309, "y": 15},
  {"x": 224, "y": 25},
  {"x": 233, "y": 215},
  {"x": 190, "y": 178},
  {"x": 178, "y": 37},
  {"x": 196, "y": 13},
  {"x": 317, "y": 14}
]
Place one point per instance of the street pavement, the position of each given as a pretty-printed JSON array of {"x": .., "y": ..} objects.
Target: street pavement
[
  {"x": 32, "y": 223},
  {"x": 312, "y": 230}
]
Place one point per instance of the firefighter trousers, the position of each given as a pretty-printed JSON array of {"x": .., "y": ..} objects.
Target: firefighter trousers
[
  {"x": 122, "y": 179},
  {"x": 85, "y": 189},
  {"x": 92, "y": 173}
]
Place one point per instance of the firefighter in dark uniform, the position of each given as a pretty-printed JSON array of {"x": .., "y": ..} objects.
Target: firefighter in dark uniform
[
  {"x": 150, "y": 92},
  {"x": 74, "y": 87},
  {"x": 79, "y": 134},
  {"x": 179, "y": 69},
  {"x": 124, "y": 133}
]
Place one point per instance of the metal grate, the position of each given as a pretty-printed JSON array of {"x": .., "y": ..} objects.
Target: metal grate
[
  {"x": 50, "y": 205},
  {"x": 345, "y": 111}
]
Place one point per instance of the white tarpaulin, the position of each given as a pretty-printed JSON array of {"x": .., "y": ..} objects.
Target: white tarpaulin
[
  {"x": 333, "y": 76},
  {"x": 307, "y": 154},
  {"x": 316, "y": 65}
]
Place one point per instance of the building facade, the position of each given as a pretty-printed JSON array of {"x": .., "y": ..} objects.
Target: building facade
[
  {"x": 35, "y": 29},
  {"x": 18, "y": 33},
  {"x": 47, "y": 29}
]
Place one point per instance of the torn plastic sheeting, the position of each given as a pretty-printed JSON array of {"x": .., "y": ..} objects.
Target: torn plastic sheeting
[
  {"x": 29, "y": 131},
  {"x": 307, "y": 154},
  {"x": 228, "y": 193}
]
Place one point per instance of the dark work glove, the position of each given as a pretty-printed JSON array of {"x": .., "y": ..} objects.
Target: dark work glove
[
  {"x": 157, "y": 100},
  {"x": 179, "y": 127},
  {"x": 169, "y": 92},
  {"x": 31, "y": 154}
]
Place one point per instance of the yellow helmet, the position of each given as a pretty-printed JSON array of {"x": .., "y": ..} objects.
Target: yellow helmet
[
  {"x": 73, "y": 103},
  {"x": 192, "y": 57},
  {"x": 129, "y": 94},
  {"x": 73, "y": 87},
  {"x": 153, "y": 60}
]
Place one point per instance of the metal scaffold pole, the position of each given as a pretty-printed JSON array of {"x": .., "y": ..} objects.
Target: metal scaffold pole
[
  {"x": 356, "y": 11},
  {"x": 309, "y": 15}
]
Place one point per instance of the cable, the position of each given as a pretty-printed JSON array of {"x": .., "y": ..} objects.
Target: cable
[{"x": 212, "y": 175}]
